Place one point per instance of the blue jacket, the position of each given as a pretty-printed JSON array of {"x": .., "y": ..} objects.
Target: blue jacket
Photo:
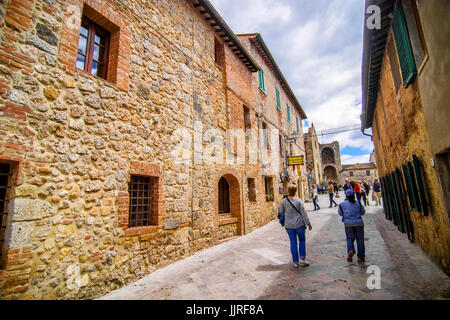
[{"x": 351, "y": 213}]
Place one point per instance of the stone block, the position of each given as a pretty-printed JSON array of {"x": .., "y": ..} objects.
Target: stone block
[
  {"x": 29, "y": 209},
  {"x": 170, "y": 224},
  {"x": 19, "y": 235}
]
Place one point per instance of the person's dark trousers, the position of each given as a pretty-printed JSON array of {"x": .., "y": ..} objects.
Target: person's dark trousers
[
  {"x": 316, "y": 206},
  {"x": 365, "y": 199},
  {"x": 357, "y": 233},
  {"x": 358, "y": 197},
  {"x": 332, "y": 201}
]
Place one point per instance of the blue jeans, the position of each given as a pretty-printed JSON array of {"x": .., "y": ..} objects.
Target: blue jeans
[
  {"x": 357, "y": 233},
  {"x": 331, "y": 200},
  {"x": 316, "y": 206},
  {"x": 293, "y": 234}
]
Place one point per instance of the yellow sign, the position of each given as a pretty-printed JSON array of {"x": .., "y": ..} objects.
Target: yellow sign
[{"x": 294, "y": 161}]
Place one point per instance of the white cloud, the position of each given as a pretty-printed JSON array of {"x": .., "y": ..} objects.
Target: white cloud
[
  {"x": 349, "y": 159},
  {"x": 251, "y": 15}
]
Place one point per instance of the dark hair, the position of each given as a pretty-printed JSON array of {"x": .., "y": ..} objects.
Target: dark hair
[
  {"x": 292, "y": 189},
  {"x": 351, "y": 198}
]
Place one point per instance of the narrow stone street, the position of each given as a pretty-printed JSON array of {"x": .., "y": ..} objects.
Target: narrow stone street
[{"x": 258, "y": 266}]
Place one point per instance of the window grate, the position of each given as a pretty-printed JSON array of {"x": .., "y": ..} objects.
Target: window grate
[
  {"x": 142, "y": 207},
  {"x": 5, "y": 180}
]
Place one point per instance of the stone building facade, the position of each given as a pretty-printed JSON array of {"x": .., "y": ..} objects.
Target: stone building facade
[
  {"x": 405, "y": 102},
  {"x": 279, "y": 111},
  {"x": 313, "y": 160},
  {"x": 330, "y": 155},
  {"x": 129, "y": 140},
  {"x": 358, "y": 172}
]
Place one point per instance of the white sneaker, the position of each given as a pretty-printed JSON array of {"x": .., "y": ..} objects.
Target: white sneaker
[
  {"x": 295, "y": 265},
  {"x": 304, "y": 263}
]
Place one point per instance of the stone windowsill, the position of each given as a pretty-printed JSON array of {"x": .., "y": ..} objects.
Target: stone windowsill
[{"x": 141, "y": 230}]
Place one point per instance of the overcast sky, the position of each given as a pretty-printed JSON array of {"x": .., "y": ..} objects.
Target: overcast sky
[{"x": 318, "y": 46}]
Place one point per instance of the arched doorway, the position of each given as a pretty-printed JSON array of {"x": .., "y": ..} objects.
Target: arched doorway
[
  {"x": 330, "y": 173},
  {"x": 228, "y": 207}
]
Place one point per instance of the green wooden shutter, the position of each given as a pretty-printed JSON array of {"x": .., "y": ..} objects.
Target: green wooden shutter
[
  {"x": 278, "y": 99},
  {"x": 298, "y": 127},
  {"x": 404, "y": 49},
  {"x": 288, "y": 112},
  {"x": 384, "y": 201},
  {"x": 417, "y": 169},
  {"x": 411, "y": 186},
  {"x": 262, "y": 85},
  {"x": 403, "y": 204}
]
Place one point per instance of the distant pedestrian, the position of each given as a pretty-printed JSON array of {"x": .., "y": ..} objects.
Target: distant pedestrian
[
  {"x": 357, "y": 190},
  {"x": 295, "y": 222},
  {"x": 352, "y": 212},
  {"x": 315, "y": 198},
  {"x": 363, "y": 195},
  {"x": 367, "y": 189},
  {"x": 376, "y": 189},
  {"x": 347, "y": 185},
  {"x": 331, "y": 194}
]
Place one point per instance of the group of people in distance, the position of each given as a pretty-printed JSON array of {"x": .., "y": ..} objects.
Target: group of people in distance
[
  {"x": 351, "y": 210},
  {"x": 362, "y": 189}
]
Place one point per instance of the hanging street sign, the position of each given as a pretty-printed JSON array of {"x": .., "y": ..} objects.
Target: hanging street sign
[{"x": 294, "y": 161}]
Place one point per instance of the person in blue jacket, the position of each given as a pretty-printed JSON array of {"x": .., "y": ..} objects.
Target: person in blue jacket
[{"x": 352, "y": 212}]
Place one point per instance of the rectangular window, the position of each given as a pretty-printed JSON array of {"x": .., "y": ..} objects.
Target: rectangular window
[
  {"x": 298, "y": 126},
  {"x": 268, "y": 182},
  {"x": 351, "y": 173},
  {"x": 277, "y": 92},
  {"x": 251, "y": 189},
  {"x": 411, "y": 187},
  {"x": 262, "y": 85},
  {"x": 281, "y": 145},
  {"x": 404, "y": 49},
  {"x": 142, "y": 207},
  {"x": 247, "y": 118},
  {"x": 5, "y": 186},
  {"x": 93, "y": 47},
  {"x": 368, "y": 173},
  {"x": 265, "y": 134},
  {"x": 219, "y": 52},
  {"x": 288, "y": 112}
]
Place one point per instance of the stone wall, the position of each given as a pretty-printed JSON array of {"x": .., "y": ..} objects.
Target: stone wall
[
  {"x": 399, "y": 131},
  {"x": 74, "y": 140}
]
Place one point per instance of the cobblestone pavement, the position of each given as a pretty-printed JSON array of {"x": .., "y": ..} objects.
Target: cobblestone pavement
[{"x": 258, "y": 266}]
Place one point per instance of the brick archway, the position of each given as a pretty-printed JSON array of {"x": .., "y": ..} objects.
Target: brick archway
[{"x": 229, "y": 224}]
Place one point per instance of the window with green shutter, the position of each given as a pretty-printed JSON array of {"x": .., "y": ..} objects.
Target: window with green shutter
[
  {"x": 298, "y": 127},
  {"x": 262, "y": 85},
  {"x": 288, "y": 112},
  {"x": 404, "y": 49},
  {"x": 411, "y": 186},
  {"x": 420, "y": 184},
  {"x": 277, "y": 92}
]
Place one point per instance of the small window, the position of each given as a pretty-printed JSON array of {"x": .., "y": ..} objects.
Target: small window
[
  {"x": 224, "y": 196},
  {"x": 277, "y": 92},
  {"x": 93, "y": 47},
  {"x": 268, "y": 185},
  {"x": 368, "y": 173},
  {"x": 351, "y": 173},
  {"x": 251, "y": 189},
  {"x": 288, "y": 112},
  {"x": 5, "y": 186},
  {"x": 265, "y": 132},
  {"x": 143, "y": 197},
  {"x": 219, "y": 52},
  {"x": 280, "y": 138},
  {"x": 247, "y": 118},
  {"x": 262, "y": 85}
]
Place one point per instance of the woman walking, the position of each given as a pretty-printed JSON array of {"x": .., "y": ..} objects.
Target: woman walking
[
  {"x": 295, "y": 222},
  {"x": 315, "y": 198},
  {"x": 352, "y": 212},
  {"x": 331, "y": 194}
]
